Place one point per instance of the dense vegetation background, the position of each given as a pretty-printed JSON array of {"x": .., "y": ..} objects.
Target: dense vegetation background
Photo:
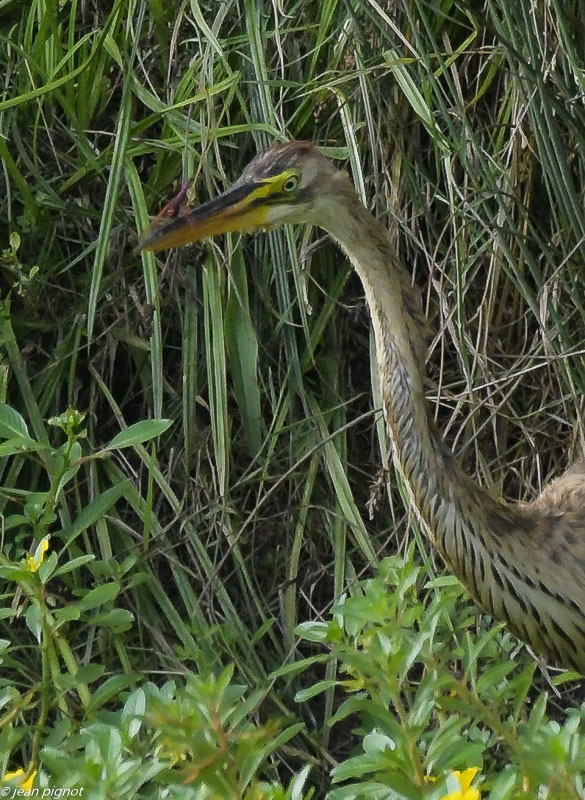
[{"x": 152, "y": 649}]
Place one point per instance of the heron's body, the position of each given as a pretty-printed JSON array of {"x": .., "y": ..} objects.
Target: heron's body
[{"x": 524, "y": 564}]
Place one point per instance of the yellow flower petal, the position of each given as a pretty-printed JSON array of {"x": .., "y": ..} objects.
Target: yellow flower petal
[
  {"x": 466, "y": 777},
  {"x": 26, "y": 785},
  {"x": 465, "y": 791},
  {"x": 10, "y": 776},
  {"x": 34, "y": 562}
]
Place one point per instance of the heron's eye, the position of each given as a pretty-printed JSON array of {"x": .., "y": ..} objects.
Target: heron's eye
[{"x": 290, "y": 184}]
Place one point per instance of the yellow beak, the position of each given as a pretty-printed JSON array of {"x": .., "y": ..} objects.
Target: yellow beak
[{"x": 240, "y": 208}]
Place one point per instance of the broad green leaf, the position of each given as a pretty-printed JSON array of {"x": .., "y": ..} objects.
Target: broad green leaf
[
  {"x": 12, "y": 425},
  {"x": 313, "y": 631},
  {"x": 504, "y": 785},
  {"x": 111, "y": 689},
  {"x": 317, "y": 688},
  {"x": 442, "y": 581},
  {"x": 133, "y": 712},
  {"x": 73, "y": 564},
  {"x": 14, "y": 521},
  {"x": 376, "y": 741},
  {"x": 20, "y": 444},
  {"x": 297, "y": 666},
  {"x": 47, "y": 568},
  {"x": 138, "y": 433},
  {"x": 117, "y": 620},
  {"x": 85, "y": 674},
  {"x": 14, "y": 573},
  {"x": 365, "y": 763},
  {"x": 67, "y": 613},
  {"x": 98, "y": 596},
  {"x": 33, "y": 621}
]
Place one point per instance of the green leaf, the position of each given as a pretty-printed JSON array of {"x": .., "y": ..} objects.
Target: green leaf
[
  {"x": 117, "y": 620},
  {"x": 67, "y": 613},
  {"x": 376, "y": 742},
  {"x": 33, "y": 621},
  {"x": 98, "y": 596},
  {"x": 12, "y": 425},
  {"x": 133, "y": 712},
  {"x": 297, "y": 666},
  {"x": 565, "y": 677},
  {"x": 262, "y": 630},
  {"x": 138, "y": 433},
  {"x": 15, "y": 521},
  {"x": 251, "y": 763},
  {"x": 20, "y": 444},
  {"x": 73, "y": 468},
  {"x": 113, "y": 49},
  {"x": 442, "y": 581},
  {"x": 298, "y": 783},
  {"x": 95, "y": 510},
  {"x": 13, "y": 573},
  {"x": 357, "y": 766},
  {"x": 313, "y": 631},
  {"x": 73, "y": 564},
  {"x": 111, "y": 689},
  {"x": 317, "y": 688},
  {"x": 505, "y": 783},
  {"x": 47, "y": 568},
  {"x": 242, "y": 348},
  {"x": 85, "y": 674}
]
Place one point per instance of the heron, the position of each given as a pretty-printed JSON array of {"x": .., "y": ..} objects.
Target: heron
[{"x": 523, "y": 563}]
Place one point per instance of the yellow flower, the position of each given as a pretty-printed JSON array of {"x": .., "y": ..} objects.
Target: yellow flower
[
  {"x": 25, "y": 785},
  {"x": 34, "y": 562},
  {"x": 465, "y": 791}
]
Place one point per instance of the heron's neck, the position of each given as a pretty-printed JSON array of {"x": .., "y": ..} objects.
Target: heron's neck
[
  {"x": 435, "y": 479},
  {"x": 493, "y": 547}
]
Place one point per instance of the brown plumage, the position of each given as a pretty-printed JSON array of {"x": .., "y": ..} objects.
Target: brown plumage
[{"x": 523, "y": 563}]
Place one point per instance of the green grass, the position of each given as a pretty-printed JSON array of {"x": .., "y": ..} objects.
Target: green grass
[{"x": 272, "y": 493}]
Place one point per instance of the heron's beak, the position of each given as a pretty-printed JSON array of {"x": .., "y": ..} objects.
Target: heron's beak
[{"x": 243, "y": 207}]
